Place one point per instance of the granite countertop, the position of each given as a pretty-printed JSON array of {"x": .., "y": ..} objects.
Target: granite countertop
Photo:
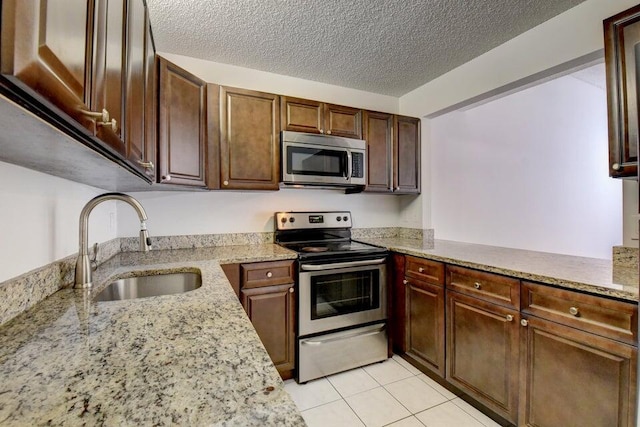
[
  {"x": 187, "y": 359},
  {"x": 597, "y": 276}
]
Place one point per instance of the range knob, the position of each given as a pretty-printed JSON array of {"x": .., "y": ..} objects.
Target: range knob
[
  {"x": 292, "y": 219},
  {"x": 283, "y": 220},
  {"x": 345, "y": 218},
  {"x": 338, "y": 218}
]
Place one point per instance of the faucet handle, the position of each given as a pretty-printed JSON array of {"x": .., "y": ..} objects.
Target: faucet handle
[{"x": 94, "y": 258}]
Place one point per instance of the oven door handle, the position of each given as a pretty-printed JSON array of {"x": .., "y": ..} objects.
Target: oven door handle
[
  {"x": 336, "y": 265},
  {"x": 371, "y": 331}
]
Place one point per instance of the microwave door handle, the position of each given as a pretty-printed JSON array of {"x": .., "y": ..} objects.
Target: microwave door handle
[{"x": 349, "y": 165}]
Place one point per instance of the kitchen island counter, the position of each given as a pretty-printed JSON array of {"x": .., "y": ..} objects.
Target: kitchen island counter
[
  {"x": 186, "y": 359},
  {"x": 593, "y": 275}
]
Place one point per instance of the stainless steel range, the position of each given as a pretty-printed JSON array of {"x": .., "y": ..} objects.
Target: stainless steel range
[{"x": 342, "y": 298}]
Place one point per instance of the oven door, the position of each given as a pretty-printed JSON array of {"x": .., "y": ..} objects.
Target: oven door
[{"x": 341, "y": 295}]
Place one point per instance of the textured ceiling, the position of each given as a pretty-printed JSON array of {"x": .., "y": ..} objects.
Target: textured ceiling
[{"x": 383, "y": 46}]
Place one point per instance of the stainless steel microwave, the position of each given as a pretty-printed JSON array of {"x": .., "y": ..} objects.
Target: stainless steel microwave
[{"x": 324, "y": 160}]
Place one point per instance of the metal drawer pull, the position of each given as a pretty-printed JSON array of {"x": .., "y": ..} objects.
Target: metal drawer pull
[
  {"x": 615, "y": 166},
  {"x": 420, "y": 270},
  {"x": 574, "y": 311},
  {"x": 405, "y": 281},
  {"x": 477, "y": 285},
  {"x": 509, "y": 318},
  {"x": 524, "y": 322},
  {"x": 345, "y": 336},
  {"x": 321, "y": 267},
  {"x": 291, "y": 290},
  {"x": 269, "y": 274},
  {"x": 166, "y": 178}
]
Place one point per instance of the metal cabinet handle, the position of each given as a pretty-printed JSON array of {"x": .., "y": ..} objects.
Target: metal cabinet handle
[
  {"x": 146, "y": 165},
  {"x": 405, "y": 281},
  {"x": 101, "y": 116},
  {"x": 113, "y": 124},
  {"x": 574, "y": 311},
  {"x": 291, "y": 290},
  {"x": 269, "y": 274},
  {"x": 328, "y": 132},
  {"x": 615, "y": 166},
  {"x": 166, "y": 178},
  {"x": 477, "y": 285},
  {"x": 509, "y": 318},
  {"x": 397, "y": 189},
  {"x": 225, "y": 183},
  {"x": 321, "y": 130},
  {"x": 420, "y": 270},
  {"x": 524, "y": 322}
]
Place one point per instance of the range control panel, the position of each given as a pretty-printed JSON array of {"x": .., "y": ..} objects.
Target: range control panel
[{"x": 308, "y": 220}]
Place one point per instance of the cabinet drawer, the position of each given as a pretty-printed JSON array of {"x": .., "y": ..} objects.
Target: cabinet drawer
[
  {"x": 266, "y": 273},
  {"x": 486, "y": 286},
  {"x": 424, "y": 269},
  {"x": 613, "y": 319}
]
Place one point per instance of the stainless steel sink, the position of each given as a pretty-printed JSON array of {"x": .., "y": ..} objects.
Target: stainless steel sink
[{"x": 150, "y": 286}]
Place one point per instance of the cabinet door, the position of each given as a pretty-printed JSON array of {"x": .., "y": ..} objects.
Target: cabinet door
[
  {"x": 378, "y": 132},
  {"x": 150, "y": 101},
  {"x": 406, "y": 160},
  {"x": 482, "y": 352},
  {"x": 621, "y": 38},
  {"x": 574, "y": 378},
  {"x": 249, "y": 140},
  {"x": 342, "y": 121},
  {"x": 134, "y": 126},
  {"x": 183, "y": 136},
  {"x": 108, "y": 69},
  {"x": 272, "y": 312},
  {"x": 301, "y": 115},
  {"x": 425, "y": 324},
  {"x": 46, "y": 46},
  {"x": 398, "y": 318}
]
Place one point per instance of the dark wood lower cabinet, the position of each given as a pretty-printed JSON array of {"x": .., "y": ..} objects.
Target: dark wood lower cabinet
[
  {"x": 272, "y": 312},
  {"x": 424, "y": 331},
  {"x": 575, "y": 378},
  {"x": 483, "y": 352}
]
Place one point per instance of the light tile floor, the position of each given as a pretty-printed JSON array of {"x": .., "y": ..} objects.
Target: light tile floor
[{"x": 391, "y": 393}]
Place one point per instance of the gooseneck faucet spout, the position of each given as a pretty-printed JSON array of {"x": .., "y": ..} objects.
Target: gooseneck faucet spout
[{"x": 83, "y": 263}]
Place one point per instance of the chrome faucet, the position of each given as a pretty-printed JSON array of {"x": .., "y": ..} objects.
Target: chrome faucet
[{"x": 83, "y": 263}]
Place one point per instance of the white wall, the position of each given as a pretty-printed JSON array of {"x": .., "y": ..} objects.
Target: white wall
[
  {"x": 568, "y": 36},
  {"x": 239, "y": 212},
  {"x": 39, "y": 219},
  {"x": 528, "y": 171}
]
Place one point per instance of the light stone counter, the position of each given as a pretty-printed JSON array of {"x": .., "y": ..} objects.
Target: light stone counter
[
  {"x": 187, "y": 359},
  {"x": 597, "y": 276}
]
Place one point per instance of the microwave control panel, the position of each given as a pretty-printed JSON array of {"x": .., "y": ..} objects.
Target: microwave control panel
[{"x": 357, "y": 165}]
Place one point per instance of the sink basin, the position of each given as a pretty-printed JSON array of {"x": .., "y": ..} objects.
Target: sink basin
[{"x": 150, "y": 286}]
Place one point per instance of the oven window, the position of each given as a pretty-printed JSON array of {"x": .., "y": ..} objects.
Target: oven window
[
  {"x": 314, "y": 161},
  {"x": 344, "y": 293}
]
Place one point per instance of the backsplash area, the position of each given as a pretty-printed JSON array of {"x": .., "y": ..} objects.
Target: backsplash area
[{"x": 23, "y": 292}]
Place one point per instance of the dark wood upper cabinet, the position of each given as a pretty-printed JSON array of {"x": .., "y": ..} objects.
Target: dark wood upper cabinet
[
  {"x": 46, "y": 46},
  {"x": 135, "y": 85},
  {"x": 150, "y": 103},
  {"x": 183, "y": 139},
  {"x": 304, "y": 115},
  {"x": 342, "y": 121},
  {"x": 393, "y": 153},
  {"x": 249, "y": 140},
  {"x": 108, "y": 79},
  {"x": 622, "y": 53},
  {"x": 406, "y": 155},
  {"x": 378, "y": 132}
]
